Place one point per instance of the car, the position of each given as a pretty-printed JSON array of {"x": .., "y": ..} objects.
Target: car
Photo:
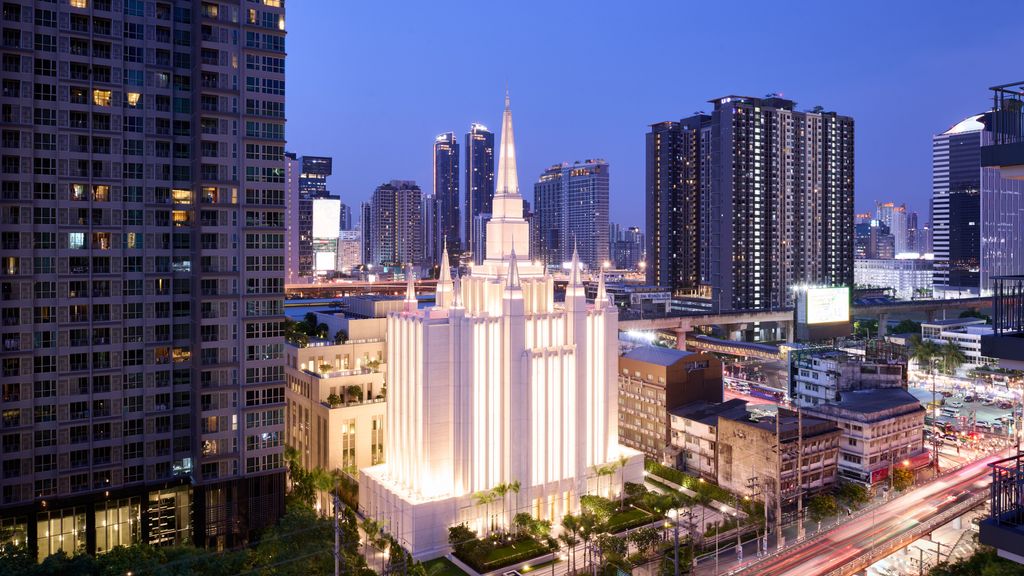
[
  {"x": 1004, "y": 405},
  {"x": 955, "y": 404},
  {"x": 988, "y": 401},
  {"x": 983, "y": 425},
  {"x": 969, "y": 398},
  {"x": 947, "y": 394},
  {"x": 950, "y": 437}
]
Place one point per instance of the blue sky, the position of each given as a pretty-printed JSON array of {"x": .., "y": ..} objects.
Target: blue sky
[{"x": 372, "y": 83}]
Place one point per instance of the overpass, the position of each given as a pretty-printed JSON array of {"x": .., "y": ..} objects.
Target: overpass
[
  {"x": 737, "y": 320},
  {"x": 342, "y": 289}
]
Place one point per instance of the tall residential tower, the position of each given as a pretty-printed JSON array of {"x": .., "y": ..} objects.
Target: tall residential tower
[
  {"x": 446, "y": 194},
  {"x": 142, "y": 274},
  {"x": 479, "y": 188}
]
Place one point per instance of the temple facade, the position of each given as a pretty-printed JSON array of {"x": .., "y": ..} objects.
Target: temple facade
[{"x": 496, "y": 384}]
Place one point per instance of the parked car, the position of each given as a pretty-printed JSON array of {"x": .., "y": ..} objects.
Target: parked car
[
  {"x": 947, "y": 394},
  {"x": 1004, "y": 405},
  {"x": 955, "y": 403},
  {"x": 969, "y": 398}
]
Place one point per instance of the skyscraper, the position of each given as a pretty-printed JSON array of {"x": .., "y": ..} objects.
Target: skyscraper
[
  {"x": 292, "y": 170},
  {"x": 446, "y": 194},
  {"x": 396, "y": 228},
  {"x": 570, "y": 204},
  {"x": 479, "y": 187},
  {"x": 143, "y": 273},
  {"x": 312, "y": 184},
  {"x": 366, "y": 231},
  {"x": 895, "y": 217},
  {"x": 750, "y": 200},
  {"x": 496, "y": 384},
  {"x": 626, "y": 247},
  {"x": 429, "y": 233}
]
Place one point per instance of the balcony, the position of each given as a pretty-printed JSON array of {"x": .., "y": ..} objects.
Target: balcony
[
  {"x": 1007, "y": 339},
  {"x": 1004, "y": 529},
  {"x": 1006, "y": 125}
]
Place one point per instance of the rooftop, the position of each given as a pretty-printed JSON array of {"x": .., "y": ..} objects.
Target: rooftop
[
  {"x": 708, "y": 412},
  {"x": 954, "y": 322},
  {"x": 657, "y": 355},
  {"x": 876, "y": 400}
]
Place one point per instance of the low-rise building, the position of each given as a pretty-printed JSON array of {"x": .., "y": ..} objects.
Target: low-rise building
[
  {"x": 966, "y": 333},
  {"x": 818, "y": 376},
  {"x": 693, "y": 438},
  {"x": 335, "y": 398},
  {"x": 908, "y": 278},
  {"x": 880, "y": 429},
  {"x": 654, "y": 380},
  {"x": 763, "y": 455}
]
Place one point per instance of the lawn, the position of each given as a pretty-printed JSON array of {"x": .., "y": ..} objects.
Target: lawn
[
  {"x": 708, "y": 489},
  {"x": 629, "y": 518},
  {"x": 442, "y": 567},
  {"x": 501, "y": 555}
]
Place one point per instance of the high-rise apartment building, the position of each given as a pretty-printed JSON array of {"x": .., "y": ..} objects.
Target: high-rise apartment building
[
  {"x": 446, "y": 194},
  {"x": 292, "y": 171},
  {"x": 396, "y": 231},
  {"x": 750, "y": 200},
  {"x": 365, "y": 226},
  {"x": 570, "y": 204},
  {"x": 428, "y": 222},
  {"x": 142, "y": 277},
  {"x": 626, "y": 247},
  {"x": 479, "y": 188}
]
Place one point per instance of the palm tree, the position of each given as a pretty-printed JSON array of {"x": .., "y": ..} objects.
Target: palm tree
[
  {"x": 925, "y": 353},
  {"x": 371, "y": 528},
  {"x": 623, "y": 460},
  {"x": 484, "y": 498},
  {"x": 570, "y": 528},
  {"x": 951, "y": 357},
  {"x": 513, "y": 488},
  {"x": 500, "y": 491}
]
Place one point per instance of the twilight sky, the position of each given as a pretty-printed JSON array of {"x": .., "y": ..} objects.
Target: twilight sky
[{"x": 372, "y": 83}]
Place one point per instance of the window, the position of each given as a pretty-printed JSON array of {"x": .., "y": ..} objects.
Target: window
[{"x": 101, "y": 97}]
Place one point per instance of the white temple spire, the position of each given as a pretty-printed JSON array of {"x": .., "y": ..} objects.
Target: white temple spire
[
  {"x": 411, "y": 303},
  {"x": 513, "y": 271},
  {"x": 508, "y": 177},
  {"x": 574, "y": 273},
  {"x": 442, "y": 293}
]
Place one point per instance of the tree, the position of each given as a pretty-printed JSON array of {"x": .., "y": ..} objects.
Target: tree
[
  {"x": 570, "y": 528},
  {"x": 907, "y": 327},
  {"x": 355, "y": 391},
  {"x": 821, "y": 506},
  {"x": 853, "y": 495},
  {"x": 484, "y": 498},
  {"x": 499, "y": 492},
  {"x": 621, "y": 465},
  {"x": 975, "y": 314},
  {"x": 371, "y": 529},
  {"x": 951, "y": 357},
  {"x": 333, "y": 400},
  {"x": 645, "y": 539},
  {"x": 341, "y": 337},
  {"x": 902, "y": 478},
  {"x": 295, "y": 333},
  {"x": 925, "y": 352}
]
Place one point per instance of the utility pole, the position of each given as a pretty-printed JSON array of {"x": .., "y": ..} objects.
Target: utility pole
[
  {"x": 780, "y": 539},
  {"x": 337, "y": 536},
  {"x": 799, "y": 474},
  {"x": 677, "y": 543}
]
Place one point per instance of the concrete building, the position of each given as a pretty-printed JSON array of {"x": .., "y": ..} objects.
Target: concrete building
[
  {"x": 750, "y": 200},
  {"x": 292, "y": 238},
  {"x": 396, "y": 230},
  {"x": 350, "y": 250},
  {"x": 819, "y": 375},
  {"x": 626, "y": 248},
  {"x": 895, "y": 217},
  {"x": 881, "y": 429},
  {"x": 766, "y": 454},
  {"x": 143, "y": 229},
  {"x": 496, "y": 383},
  {"x": 655, "y": 380},
  {"x": 966, "y": 333},
  {"x": 908, "y": 278},
  {"x": 570, "y": 203},
  {"x": 693, "y": 440}
]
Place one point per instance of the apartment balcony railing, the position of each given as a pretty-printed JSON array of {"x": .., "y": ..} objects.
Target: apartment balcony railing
[
  {"x": 1006, "y": 126},
  {"x": 1004, "y": 529}
]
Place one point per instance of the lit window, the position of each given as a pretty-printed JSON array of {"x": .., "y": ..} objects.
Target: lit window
[
  {"x": 76, "y": 240},
  {"x": 133, "y": 99},
  {"x": 180, "y": 196},
  {"x": 101, "y": 193},
  {"x": 79, "y": 3},
  {"x": 101, "y": 97}
]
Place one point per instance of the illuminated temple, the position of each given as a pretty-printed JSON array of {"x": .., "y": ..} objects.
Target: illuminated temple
[{"x": 494, "y": 384}]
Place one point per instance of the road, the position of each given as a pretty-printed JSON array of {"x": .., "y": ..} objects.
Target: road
[{"x": 854, "y": 538}]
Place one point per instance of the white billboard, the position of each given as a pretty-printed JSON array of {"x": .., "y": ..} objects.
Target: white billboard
[
  {"x": 828, "y": 305},
  {"x": 325, "y": 261},
  {"x": 326, "y": 217}
]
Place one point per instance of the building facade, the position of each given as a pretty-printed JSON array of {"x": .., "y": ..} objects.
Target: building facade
[
  {"x": 479, "y": 188},
  {"x": 750, "y": 200},
  {"x": 292, "y": 169},
  {"x": 626, "y": 247},
  {"x": 312, "y": 185},
  {"x": 896, "y": 218},
  {"x": 820, "y": 376},
  {"x": 570, "y": 204},
  {"x": 908, "y": 278},
  {"x": 881, "y": 430},
  {"x": 496, "y": 383},
  {"x": 396, "y": 229},
  {"x": 143, "y": 273},
  {"x": 966, "y": 333},
  {"x": 446, "y": 194},
  {"x": 693, "y": 435},
  {"x": 652, "y": 382}
]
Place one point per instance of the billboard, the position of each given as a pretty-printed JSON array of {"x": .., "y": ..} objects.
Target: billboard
[
  {"x": 828, "y": 305},
  {"x": 326, "y": 217}
]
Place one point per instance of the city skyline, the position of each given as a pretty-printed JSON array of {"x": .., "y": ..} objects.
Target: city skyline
[{"x": 893, "y": 146}]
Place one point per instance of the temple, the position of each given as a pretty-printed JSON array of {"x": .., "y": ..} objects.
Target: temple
[{"x": 495, "y": 384}]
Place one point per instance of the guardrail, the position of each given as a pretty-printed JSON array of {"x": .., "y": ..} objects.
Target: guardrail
[{"x": 865, "y": 560}]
